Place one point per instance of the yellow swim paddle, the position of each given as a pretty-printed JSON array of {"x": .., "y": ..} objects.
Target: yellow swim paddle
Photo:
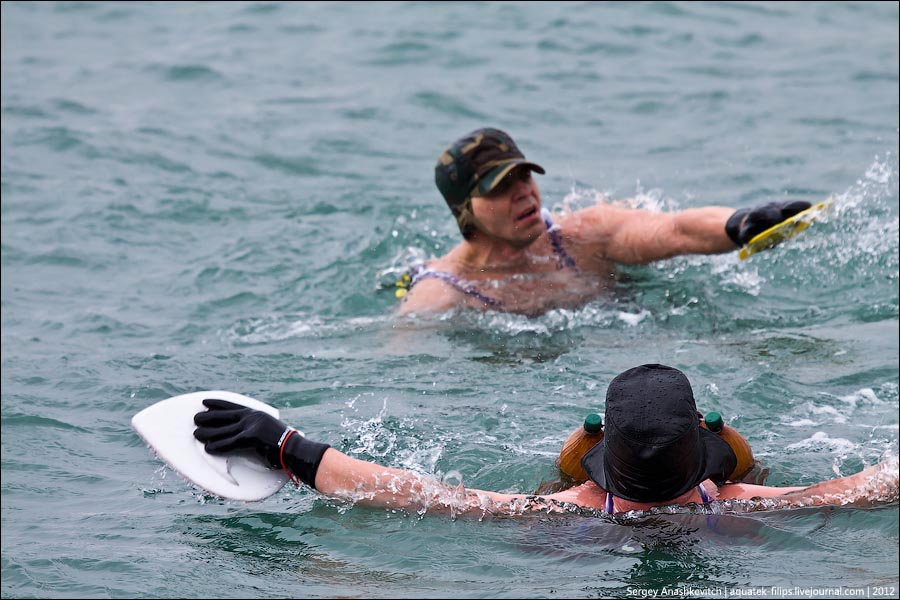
[{"x": 782, "y": 231}]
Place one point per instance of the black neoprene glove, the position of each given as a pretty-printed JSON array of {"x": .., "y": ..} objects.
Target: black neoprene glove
[
  {"x": 227, "y": 427},
  {"x": 747, "y": 223}
]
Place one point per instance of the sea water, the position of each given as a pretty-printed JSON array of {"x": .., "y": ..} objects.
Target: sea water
[{"x": 208, "y": 196}]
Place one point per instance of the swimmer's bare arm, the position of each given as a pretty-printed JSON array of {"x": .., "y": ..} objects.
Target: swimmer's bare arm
[
  {"x": 371, "y": 484},
  {"x": 636, "y": 236},
  {"x": 366, "y": 483},
  {"x": 876, "y": 481}
]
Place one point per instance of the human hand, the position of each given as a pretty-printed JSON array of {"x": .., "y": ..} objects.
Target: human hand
[
  {"x": 747, "y": 223},
  {"x": 227, "y": 427}
]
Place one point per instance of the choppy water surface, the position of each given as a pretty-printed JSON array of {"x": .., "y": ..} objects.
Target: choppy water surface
[{"x": 201, "y": 196}]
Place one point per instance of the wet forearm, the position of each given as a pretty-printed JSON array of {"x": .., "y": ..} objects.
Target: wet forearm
[
  {"x": 876, "y": 482},
  {"x": 361, "y": 482},
  {"x": 872, "y": 483}
]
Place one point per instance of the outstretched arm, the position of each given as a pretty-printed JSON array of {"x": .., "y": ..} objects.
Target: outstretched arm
[
  {"x": 639, "y": 236},
  {"x": 875, "y": 483},
  {"x": 341, "y": 476},
  {"x": 227, "y": 427},
  {"x": 878, "y": 482},
  {"x": 636, "y": 236},
  {"x": 366, "y": 483},
  {"x": 344, "y": 477}
]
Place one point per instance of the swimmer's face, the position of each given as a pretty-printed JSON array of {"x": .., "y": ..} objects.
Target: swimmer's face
[{"x": 512, "y": 210}]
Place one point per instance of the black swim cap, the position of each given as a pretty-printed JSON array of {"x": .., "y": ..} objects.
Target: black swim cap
[{"x": 653, "y": 449}]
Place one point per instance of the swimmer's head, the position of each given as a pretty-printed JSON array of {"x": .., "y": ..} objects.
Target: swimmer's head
[
  {"x": 653, "y": 450},
  {"x": 473, "y": 166}
]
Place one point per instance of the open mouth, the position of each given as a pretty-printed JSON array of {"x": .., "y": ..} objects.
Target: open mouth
[{"x": 527, "y": 214}]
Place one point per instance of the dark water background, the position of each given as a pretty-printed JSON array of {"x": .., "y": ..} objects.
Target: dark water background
[{"x": 200, "y": 196}]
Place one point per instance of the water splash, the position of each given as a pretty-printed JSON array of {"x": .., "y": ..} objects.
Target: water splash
[
  {"x": 372, "y": 437},
  {"x": 654, "y": 200},
  {"x": 829, "y": 409},
  {"x": 878, "y": 484},
  {"x": 866, "y": 215},
  {"x": 821, "y": 441},
  {"x": 401, "y": 264},
  {"x": 277, "y": 328},
  {"x": 859, "y": 230},
  {"x": 418, "y": 494},
  {"x": 261, "y": 330},
  {"x": 602, "y": 313}
]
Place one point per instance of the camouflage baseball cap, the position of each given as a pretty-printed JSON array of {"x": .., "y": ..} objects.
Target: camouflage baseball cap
[{"x": 473, "y": 165}]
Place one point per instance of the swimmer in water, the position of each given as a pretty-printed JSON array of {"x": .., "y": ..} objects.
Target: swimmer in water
[
  {"x": 516, "y": 257},
  {"x": 652, "y": 454}
]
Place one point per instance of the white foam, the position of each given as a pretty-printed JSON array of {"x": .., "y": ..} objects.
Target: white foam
[
  {"x": 864, "y": 396},
  {"x": 748, "y": 280},
  {"x": 631, "y": 318},
  {"x": 820, "y": 440}
]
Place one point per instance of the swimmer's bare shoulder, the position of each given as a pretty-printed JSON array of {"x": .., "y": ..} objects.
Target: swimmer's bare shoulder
[
  {"x": 591, "y": 234},
  {"x": 434, "y": 295},
  {"x": 430, "y": 296},
  {"x": 588, "y": 494}
]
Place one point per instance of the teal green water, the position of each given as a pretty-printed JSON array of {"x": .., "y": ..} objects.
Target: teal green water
[{"x": 200, "y": 196}]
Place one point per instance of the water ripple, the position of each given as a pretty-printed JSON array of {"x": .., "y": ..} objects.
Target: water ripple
[{"x": 199, "y": 196}]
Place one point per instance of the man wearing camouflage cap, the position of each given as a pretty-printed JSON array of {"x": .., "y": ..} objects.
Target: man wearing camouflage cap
[{"x": 515, "y": 257}]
